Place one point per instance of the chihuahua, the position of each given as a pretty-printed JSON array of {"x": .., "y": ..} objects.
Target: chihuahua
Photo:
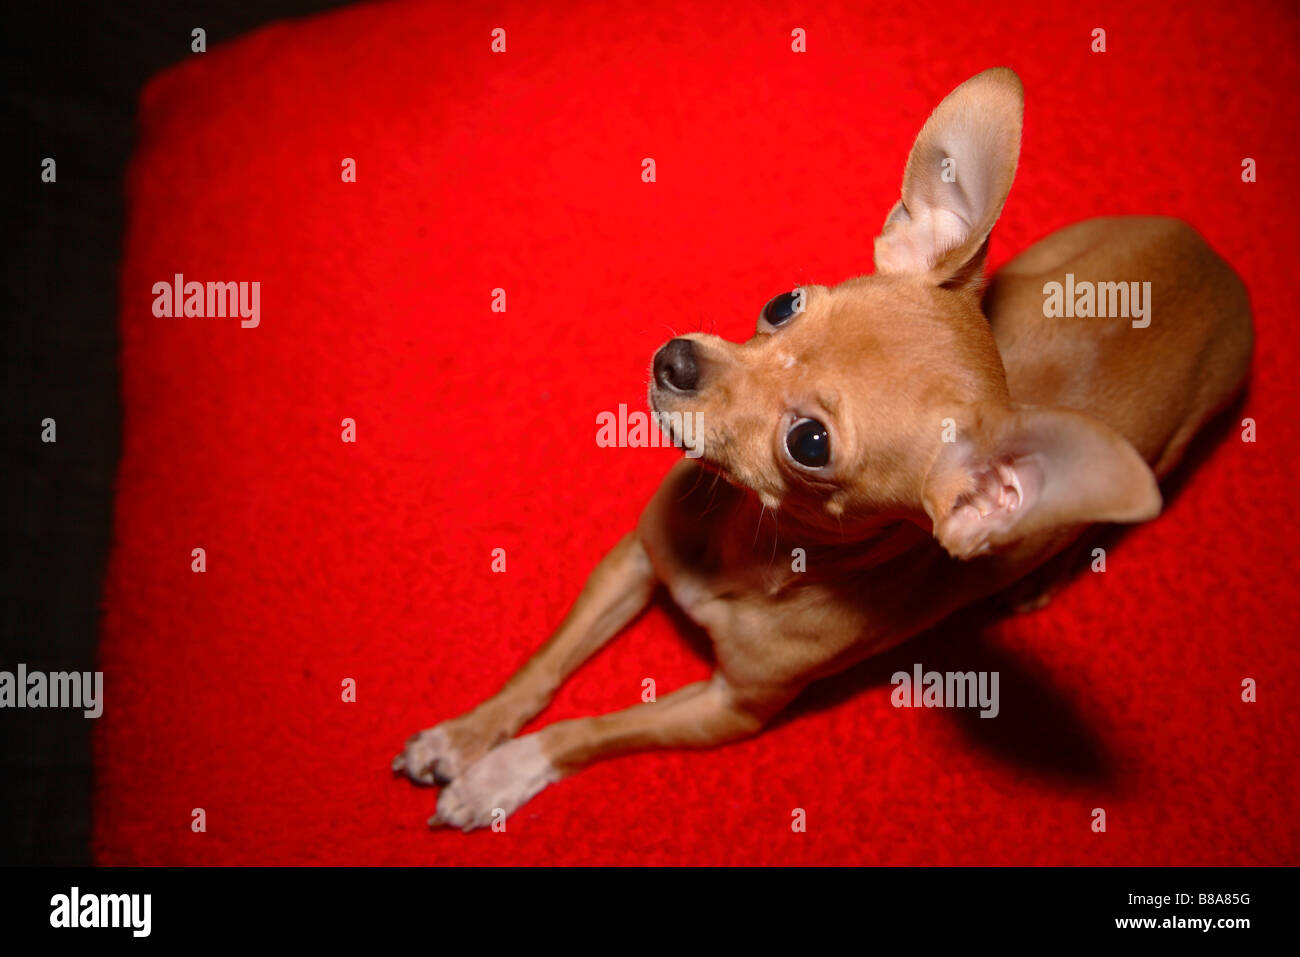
[{"x": 922, "y": 452}]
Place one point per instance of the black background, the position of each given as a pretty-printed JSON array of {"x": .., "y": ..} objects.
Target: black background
[{"x": 72, "y": 73}]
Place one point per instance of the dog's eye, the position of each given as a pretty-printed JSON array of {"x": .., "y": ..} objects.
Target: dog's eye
[
  {"x": 809, "y": 443},
  {"x": 783, "y": 307}
]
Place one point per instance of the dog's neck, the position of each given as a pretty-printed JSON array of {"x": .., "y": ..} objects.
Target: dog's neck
[{"x": 769, "y": 537}]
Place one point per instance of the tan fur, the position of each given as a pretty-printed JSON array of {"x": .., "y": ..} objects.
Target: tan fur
[{"x": 1059, "y": 422}]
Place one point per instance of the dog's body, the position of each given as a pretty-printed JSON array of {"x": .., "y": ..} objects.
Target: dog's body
[{"x": 914, "y": 454}]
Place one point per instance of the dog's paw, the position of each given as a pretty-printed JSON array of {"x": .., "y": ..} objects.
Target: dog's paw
[
  {"x": 496, "y": 785},
  {"x": 434, "y": 756}
]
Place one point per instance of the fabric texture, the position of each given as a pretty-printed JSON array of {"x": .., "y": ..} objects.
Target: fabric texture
[{"x": 475, "y": 430}]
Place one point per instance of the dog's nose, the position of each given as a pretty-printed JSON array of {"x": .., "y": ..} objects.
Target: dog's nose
[{"x": 676, "y": 367}]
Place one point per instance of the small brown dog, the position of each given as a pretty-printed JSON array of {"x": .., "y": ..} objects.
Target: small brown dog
[{"x": 921, "y": 453}]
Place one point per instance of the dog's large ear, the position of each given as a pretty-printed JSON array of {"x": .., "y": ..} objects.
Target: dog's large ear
[
  {"x": 957, "y": 178},
  {"x": 1012, "y": 471}
]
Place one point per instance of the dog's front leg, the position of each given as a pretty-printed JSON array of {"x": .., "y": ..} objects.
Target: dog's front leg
[
  {"x": 700, "y": 715},
  {"x": 618, "y": 588}
]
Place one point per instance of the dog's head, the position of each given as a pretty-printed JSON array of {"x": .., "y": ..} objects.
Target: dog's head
[{"x": 885, "y": 396}]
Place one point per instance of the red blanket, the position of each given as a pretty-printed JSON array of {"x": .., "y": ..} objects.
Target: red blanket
[{"x": 475, "y": 430}]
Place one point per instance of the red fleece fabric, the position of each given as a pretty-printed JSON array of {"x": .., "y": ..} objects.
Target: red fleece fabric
[{"x": 475, "y": 430}]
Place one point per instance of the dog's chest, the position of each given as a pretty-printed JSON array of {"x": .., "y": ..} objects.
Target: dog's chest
[
  {"x": 699, "y": 597},
  {"x": 709, "y": 588}
]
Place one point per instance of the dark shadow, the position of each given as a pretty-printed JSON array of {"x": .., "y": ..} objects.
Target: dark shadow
[
  {"x": 74, "y": 73},
  {"x": 1037, "y": 728}
]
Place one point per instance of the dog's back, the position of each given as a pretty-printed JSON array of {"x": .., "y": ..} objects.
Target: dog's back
[{"x": 1130, "y": 372}]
